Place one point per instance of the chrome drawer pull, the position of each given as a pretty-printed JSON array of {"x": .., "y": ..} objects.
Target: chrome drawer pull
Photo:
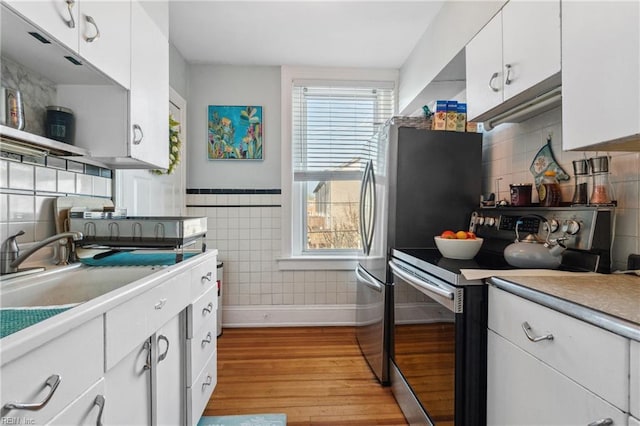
[
  {"x": 53, "y": 381},
  {"x": 207, "y": 383},
  {"x": 602, "y": 422},
  {"x": 207, "y": 339},
  {"x": 160, "y": 304},
  {"x": 527, "y": 330},
  {"x": 206, "y": 277},
  {"x": 207, "y": 309},
  {"x": 99, "y": 401}
]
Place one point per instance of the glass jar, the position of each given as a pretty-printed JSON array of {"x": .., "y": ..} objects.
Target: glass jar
[
  {"x": 549, "y": 190},
  {"x": 581, "y": 177},
  {"x": 601, "y": 189}
]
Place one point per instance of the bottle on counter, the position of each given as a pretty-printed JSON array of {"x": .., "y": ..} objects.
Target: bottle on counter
[{"x": 549, "y": 192}]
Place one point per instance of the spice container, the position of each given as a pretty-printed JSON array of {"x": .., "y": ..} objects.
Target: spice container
[
  {"x": 581, "y": 177},
  {"x": 520, "y": 194},
  {"x": 601, "y": 191},
  {"x": 549, "y": 190},
  {"x": 60, "y": 124}
]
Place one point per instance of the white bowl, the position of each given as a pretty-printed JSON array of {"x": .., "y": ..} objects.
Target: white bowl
[{"x": 458, "y": 249}]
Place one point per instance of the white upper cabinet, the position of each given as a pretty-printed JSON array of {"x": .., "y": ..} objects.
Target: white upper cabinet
[
  {"x": 149, "y": 130},
  {"x": 516, "y": 56},
  {"x": 58, "y": 18},
  {"x": 601, "y": 75},
  {"x": 105, "y": 37}
]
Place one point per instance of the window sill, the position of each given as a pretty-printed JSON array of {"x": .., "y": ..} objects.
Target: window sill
[{"x": 309, "y": 263}]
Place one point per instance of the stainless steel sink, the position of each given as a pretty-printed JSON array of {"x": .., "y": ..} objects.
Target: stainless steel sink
[{"x": 63, "y": 286}]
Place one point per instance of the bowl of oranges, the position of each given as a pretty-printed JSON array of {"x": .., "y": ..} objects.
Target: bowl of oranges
[{"x": 458, "y": 245}]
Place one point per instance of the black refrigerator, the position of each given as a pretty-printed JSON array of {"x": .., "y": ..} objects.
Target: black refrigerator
[{"x": 416, "y": 184}]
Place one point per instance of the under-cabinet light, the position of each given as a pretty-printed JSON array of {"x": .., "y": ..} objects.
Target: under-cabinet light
[
  {"x": 12, "y": 147},
  {"x": 542, "y": 103}
]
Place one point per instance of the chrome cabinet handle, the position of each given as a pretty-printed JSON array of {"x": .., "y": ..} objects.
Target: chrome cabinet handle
[
  {"x": 602, "y": 422},
  {"x": 206, "y": 277},
  {"x": 137, "y": 130},
  {"x": 99, "y": 401},
  {"x": 53, "y": 381},
  {"x": 92, "y": 22},
  {"x": 166, "y": 351},
  {"x": 207, "y": 383},
  {"x": 71, "y": 22},
  {"x": 207, "y": 310},
  {"x": 527, "y": 330},
  {"x": 493, "y": 77},
  {"x": 160, "y": 304},
  {"x": 147, "y": 364},
  {"x": 507, "y": 79},
  {"x": 207, "y": 339}
]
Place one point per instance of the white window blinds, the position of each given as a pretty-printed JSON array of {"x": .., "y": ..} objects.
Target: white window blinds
[{"x": 333, "y": 127}]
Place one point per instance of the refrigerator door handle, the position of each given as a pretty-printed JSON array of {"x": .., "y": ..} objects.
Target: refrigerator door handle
[
  {"x": 363, "y": 193},
  {"x": 374, "y": 206},
  {"x": 363, "y": 277}
]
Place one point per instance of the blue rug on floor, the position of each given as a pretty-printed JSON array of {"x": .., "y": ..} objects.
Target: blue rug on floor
[{"x": 248, "y": 420}]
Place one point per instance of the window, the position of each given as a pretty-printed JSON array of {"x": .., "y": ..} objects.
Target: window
[{"x": 333, "y": 124}]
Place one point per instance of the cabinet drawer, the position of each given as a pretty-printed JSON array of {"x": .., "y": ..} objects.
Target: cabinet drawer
[
  {"x": 522, "y": 390},
  {"x": 593, "y": 357},
  {"x": 203, "y": 277},
  {"x": 634, "y": 399},
  {"x": 132, "y": 322},
  {"x": 202, "y": 311},
  {"x": 198, "y": 395},
  {"x": 77, "y": 357},
  {"x": 200, "y": 348},
  {"x": 86, "y": 409}
]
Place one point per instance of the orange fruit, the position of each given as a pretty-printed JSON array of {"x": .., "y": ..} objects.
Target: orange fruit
[
  {"x": 450, "y": 235},
  {"x": 461, "y": 235}
]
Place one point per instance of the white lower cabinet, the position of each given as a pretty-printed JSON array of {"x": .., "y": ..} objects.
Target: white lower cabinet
[
  {"x": 545, "y": 367},
  {"x": 522, "y": 390},
  {"x": 169, "y": 374},
  {"x": 40, "y": 384},
  {"x": 633, "y": 421},
  {"x": 88, "y": 408},
  {"x": 128, "y": 388},
  {"x": 634, "y": 385}
]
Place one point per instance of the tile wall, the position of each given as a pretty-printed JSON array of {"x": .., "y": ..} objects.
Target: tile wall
[
  {"x": 245, "y": 227},
  {"x": 29, "y": 185},
  {"x": 509, "y": 149}
]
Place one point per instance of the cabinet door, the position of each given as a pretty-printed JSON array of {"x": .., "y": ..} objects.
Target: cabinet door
[
  {"x": 105, "y": 37},
  {"x": 128, "y": 389},
  {"x": 170, "y": 388},
  {"x": 522, "y": 390},
  {"x": 58, "y": 18},
  {"x": 149, "y": 130},
  {"x": 484, "y": 69},
  {"x": 88, "y": 408},
  {"x": 597, "y": 74},
  {"x": 530, "y": 43}
]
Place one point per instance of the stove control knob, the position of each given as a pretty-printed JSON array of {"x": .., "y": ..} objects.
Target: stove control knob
[
  {"x": 571, "y": 227},
  {"x": 554, "y": 225},
  {"x": 490, "y": 221},
  {"x": 480, "y": 220}
]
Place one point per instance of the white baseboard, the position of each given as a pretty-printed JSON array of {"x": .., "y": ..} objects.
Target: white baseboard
[{"x": 288, "y": 315}]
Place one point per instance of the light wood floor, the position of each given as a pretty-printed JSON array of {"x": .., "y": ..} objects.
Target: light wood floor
[{"x": 315, "y": 375}]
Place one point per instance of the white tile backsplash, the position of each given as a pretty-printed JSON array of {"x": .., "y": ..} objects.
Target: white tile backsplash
[
  {"x": 248, "y": 240},
  {"x": 21, "y": 176},
  {"x": 66, "y": 182},
  {"x": 46, "y": 179}
]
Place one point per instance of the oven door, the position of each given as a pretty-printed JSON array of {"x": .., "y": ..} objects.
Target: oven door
[{"x": 426, "y": 311}]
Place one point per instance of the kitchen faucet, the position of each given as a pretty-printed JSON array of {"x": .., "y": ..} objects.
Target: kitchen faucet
[{"x": 11, "y": 258}]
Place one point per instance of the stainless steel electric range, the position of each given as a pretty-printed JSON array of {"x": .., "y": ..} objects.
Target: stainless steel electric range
[{"x": 438, "y": 358}]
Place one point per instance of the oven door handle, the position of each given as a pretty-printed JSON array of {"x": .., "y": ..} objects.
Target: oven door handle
[
  {"x": 364, "y": 277},
  {"x": 425, "y": 285}
]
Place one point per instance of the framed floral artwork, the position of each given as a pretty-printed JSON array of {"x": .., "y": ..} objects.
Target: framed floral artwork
[{"x": 234, "y": 132}]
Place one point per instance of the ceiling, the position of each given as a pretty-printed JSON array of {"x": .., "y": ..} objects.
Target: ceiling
[{"x": 333, "y": 33}]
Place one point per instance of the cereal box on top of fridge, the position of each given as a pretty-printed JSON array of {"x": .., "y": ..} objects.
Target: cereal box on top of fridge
[
  {"x": 440, "y": 116},
  {"x": 452, "y": 116}
]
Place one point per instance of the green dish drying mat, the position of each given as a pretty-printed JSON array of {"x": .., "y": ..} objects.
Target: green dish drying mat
[
  {"x": 135, "y": 259},
  {"x": 15, "y": 319}
]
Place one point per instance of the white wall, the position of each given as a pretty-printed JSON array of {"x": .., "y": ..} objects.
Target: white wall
[
  {"x": 233, "y": 85},
  {"x": 178, "y": 72}
]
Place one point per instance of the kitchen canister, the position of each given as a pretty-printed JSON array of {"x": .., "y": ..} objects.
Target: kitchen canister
[
  {"x": 520, "y": 194},
  {"x": 12, "y": 108},
  {"x": 60, "y": 124}
]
